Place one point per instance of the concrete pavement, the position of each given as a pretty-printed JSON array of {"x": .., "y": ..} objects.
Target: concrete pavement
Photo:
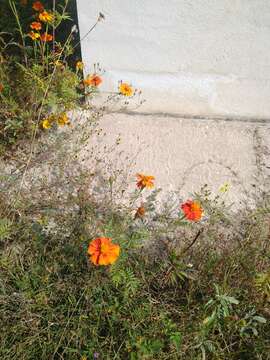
[{"x": 184, "y": 154}]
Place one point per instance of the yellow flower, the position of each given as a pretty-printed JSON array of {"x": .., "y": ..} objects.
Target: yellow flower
[
  {"x": 224, "y": 188},
  {"x": 34, "y": 35},
  {"x": 45, "y": 16},
  {"x": 63, "y": 119},
  {"x": 46, "y": 124},
  {"x": 59, "y": 64},
  {"x": 125, "y": 89},
  {"x": 79, "y": 65}
]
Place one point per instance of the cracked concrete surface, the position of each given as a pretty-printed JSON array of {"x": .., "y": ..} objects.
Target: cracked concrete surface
[{"x": 184, "y": 154}]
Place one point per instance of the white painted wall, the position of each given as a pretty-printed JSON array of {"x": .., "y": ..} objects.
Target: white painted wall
[{"x": 189, "y": 57}]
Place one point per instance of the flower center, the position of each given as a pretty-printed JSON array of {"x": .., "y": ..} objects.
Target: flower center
[{"x": 103, "y": 248}]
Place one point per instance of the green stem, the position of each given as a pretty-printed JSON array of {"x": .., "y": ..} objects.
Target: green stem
[
  {"x": 46, "y": 48},
  {"x": 15, "y": 13},
  {"x": 35, "y": 51},
  {"x": 53, "y": 29}
]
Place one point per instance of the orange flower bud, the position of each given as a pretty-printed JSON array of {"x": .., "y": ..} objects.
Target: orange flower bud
[
  {"x": 140, "y": 212},
  {"x": 38, "y": 6},
  {"x": 46, "y": 37},
  {"x": 36, "y": 25},
  {"x": 92, "y": 80}
]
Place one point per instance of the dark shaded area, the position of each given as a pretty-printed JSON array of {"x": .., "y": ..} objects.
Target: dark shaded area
[
  {"x": 64, "y": 29},
  {"x": 27, "y": 15}
]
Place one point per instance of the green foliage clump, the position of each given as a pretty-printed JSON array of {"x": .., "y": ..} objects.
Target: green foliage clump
[
  {"x": 29, "y": 95},
  {"x": 36, "y": 79},
  {"x": 159, "y": 300}
]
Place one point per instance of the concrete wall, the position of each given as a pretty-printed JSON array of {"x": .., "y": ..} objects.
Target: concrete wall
[{"x": 190, "y": 57}]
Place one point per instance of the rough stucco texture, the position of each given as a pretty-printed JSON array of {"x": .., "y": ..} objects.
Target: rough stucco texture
[{"x": 202, "y": 57}]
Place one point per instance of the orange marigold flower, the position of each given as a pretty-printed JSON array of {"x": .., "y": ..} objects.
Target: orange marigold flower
[
  {"x": 33, "y": 35},
  {"x": 45, "y": 16},
  {"x": 79, "y": 65},
  {"x": 38, "y": 6},
  {"x": 103, "y": 252},
  {"x": 46, "y": 37},
  {"x": 125, "y": 89},
  {"x": 145, "y": 181},
  {"x": 192, "y": 210},
  {"x": 140, "y": 212},
  {"x": 92, "y": 80},
  {"x": 1, "y": 87},
  {"x": 36, "y": 25}
]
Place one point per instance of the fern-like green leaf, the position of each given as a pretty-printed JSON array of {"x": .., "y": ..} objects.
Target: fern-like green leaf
[
  {"x": 262, "y": 282},
  {"x": 5, "y": 228}
]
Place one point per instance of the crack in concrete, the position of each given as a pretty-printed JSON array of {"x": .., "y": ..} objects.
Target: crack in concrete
[{"x": 232, "y": 118}]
